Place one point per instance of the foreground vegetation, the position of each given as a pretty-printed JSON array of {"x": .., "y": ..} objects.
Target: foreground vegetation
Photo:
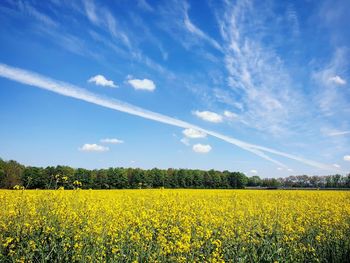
[
  {"x": 174, "y": 226},
  {"x": 13, "y": 173}
]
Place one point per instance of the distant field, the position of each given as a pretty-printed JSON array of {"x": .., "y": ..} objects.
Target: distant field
[{"x": 174, "y": 226}]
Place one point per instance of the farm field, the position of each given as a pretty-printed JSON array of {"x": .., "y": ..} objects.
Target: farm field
[{"x": 174, "y": 226}]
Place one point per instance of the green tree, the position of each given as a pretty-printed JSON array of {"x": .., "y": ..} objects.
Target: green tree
[
  {"x": 254, "y": 181},
  {"x": 12, "y": 174}
]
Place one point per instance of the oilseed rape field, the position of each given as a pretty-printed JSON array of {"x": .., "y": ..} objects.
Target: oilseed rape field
[{"x": 174, "y": 226}]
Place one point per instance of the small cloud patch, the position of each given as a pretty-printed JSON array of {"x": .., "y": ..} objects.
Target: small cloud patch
[
  {"x": 230, "y": 115},
  {"x": 337, "y": 80},
  {"x": 347, "y": 158},
  {"x": 100, "y": 80},
  {"x": 192, "y": 133},
  {"x": 142, "y": 84},
  {"x": 208, "y": 116},
  {"x": 201, "y": 148},
  {"x": 93, "y": 148}
]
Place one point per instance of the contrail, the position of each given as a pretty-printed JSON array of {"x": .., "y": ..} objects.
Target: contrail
[{"x": 69, "y": 90}]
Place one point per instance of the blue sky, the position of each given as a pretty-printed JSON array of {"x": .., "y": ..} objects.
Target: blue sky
[{"x": 260, "y": 87}]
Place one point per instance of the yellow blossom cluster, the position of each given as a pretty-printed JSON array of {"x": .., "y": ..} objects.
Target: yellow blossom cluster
[{"x": 174, "y": 226}]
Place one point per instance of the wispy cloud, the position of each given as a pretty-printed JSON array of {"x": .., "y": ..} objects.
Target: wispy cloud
[
  {"x": 111, "y": 141},
  {"x": 69, "y": 90},
  {"x": 196, "y": 31},
  {"x": 330, "y": 98},
  {"x": 292, "y": 18},
  {"x": 90, "y": 10},
  {"x": 148, "y": 35},
  {"x": 226, "y": 97},
  {"x": 101, "y": 80},
  {"x": 256, "y": 74},
  {"x": 143, "y": 4},
  {"x": 177, "y": 22},
  {"x": 93, "y": 148},
  {"x": 338, "y": 133},
  {"x": 114, "y": 30},
  {"x": 201, "y": 148},
  {"x": 230, "y": 115},
  {"x": 347, "y": 158},
  {"x": 142, "y": 84},
  {"x": 103, "y": 18},
  {"x": 134, "y": 55},
  {"x": 32, "y": 11},
  {"x": 208, "y": 116},
  {"x": 337, "y": 80},
  {"x": 185, "y": 141}
]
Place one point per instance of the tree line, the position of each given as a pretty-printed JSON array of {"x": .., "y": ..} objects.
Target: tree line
[{"x": 13, "y": 174}]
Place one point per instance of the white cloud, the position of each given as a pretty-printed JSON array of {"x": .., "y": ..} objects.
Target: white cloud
[
  {"x": 253, "y": 171},
  {"x": 337, "y": 80},
  {"x": 201, "y": 148},
  {"x": 230, "y": 115},
  {"x": 279, "y": 168},
  {"x": 336, "y": 165},
  {"x": 142, "y": 84},
  {"x": 93, "y": 148},
  {"x": 290, "y": 170},
  {"x": 209, "y": 116},
  {"x": 192, "y": 133},
  {"x": 69, "y": 90},
  {"x": 347, "y": 158},
  {"x": 111, "y": 141},
  {"x": 100, "y": 80}
]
